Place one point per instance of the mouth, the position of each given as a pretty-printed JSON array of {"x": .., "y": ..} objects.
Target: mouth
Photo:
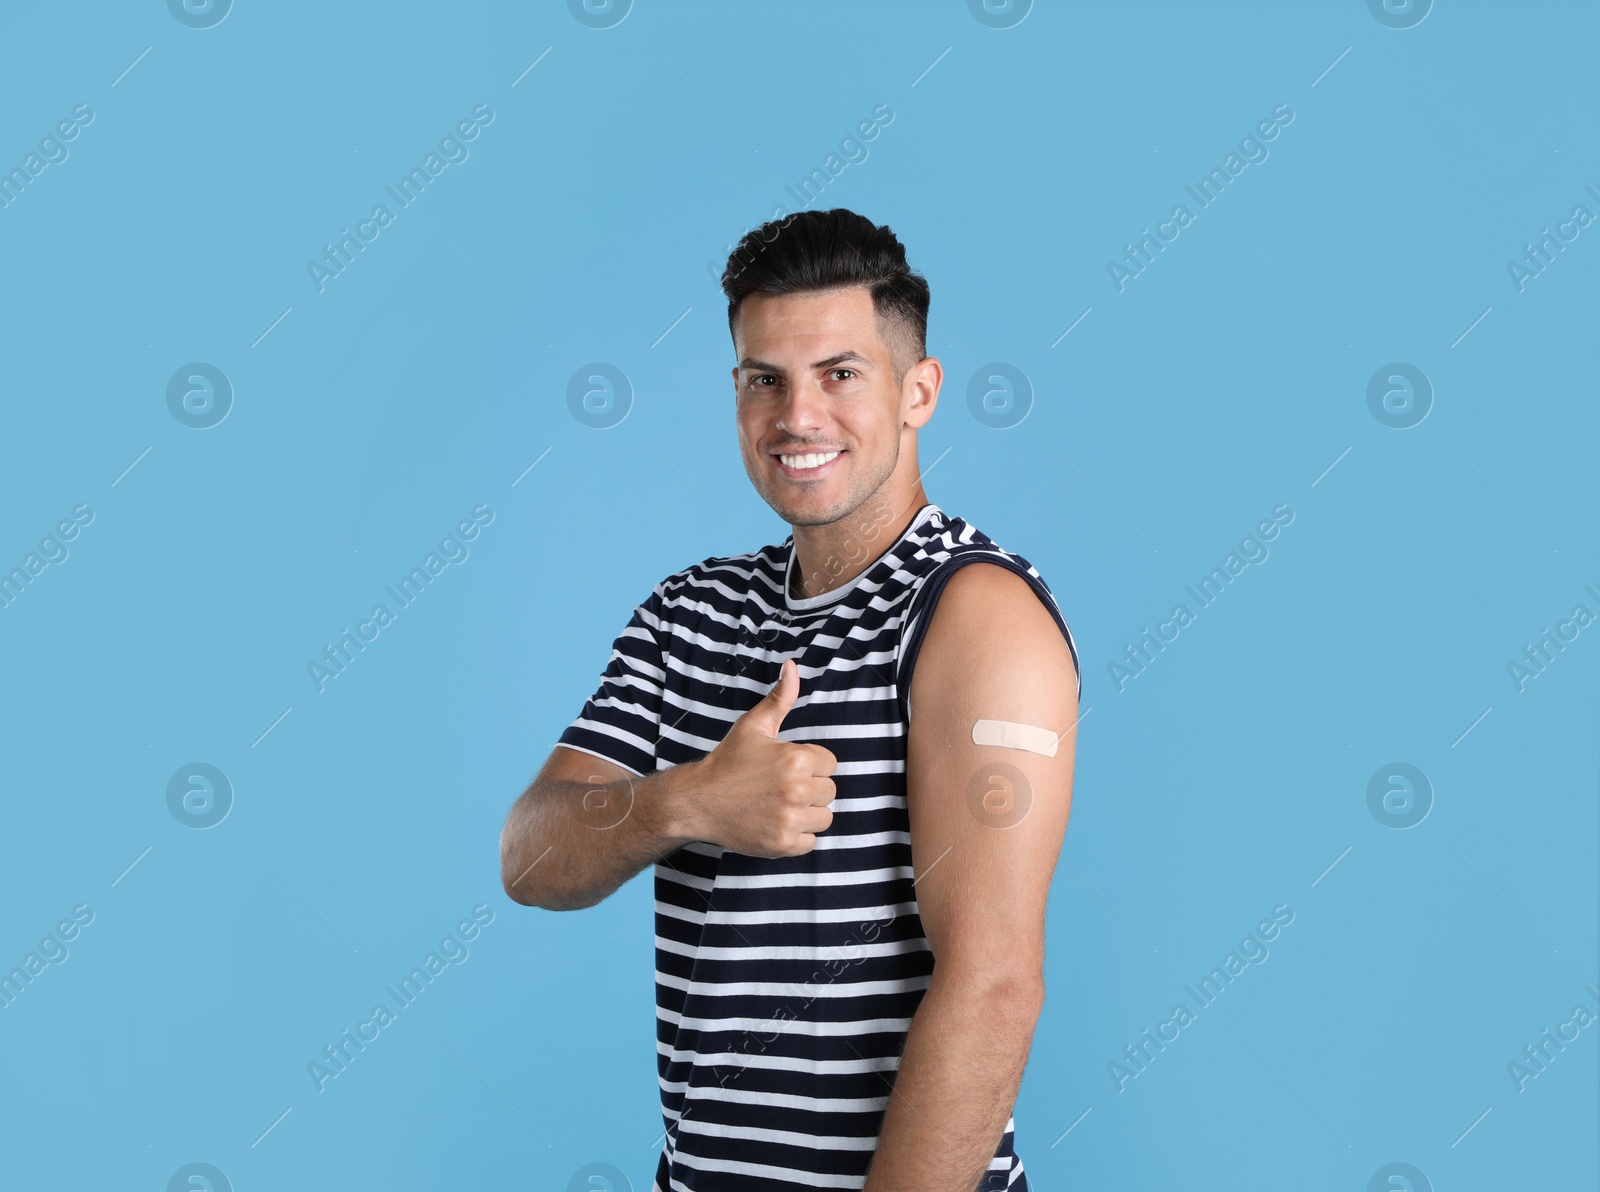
[{"x": 807, "y": 465}]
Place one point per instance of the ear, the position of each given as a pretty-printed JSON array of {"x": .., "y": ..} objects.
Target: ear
[{"x": 922, "y": 384}]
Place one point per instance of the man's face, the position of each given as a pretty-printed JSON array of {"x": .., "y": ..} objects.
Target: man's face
[{"x": 815, "y": 377}]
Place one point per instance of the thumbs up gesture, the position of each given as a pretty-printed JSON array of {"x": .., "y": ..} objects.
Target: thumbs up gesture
[{"x": 757, "y": 794}]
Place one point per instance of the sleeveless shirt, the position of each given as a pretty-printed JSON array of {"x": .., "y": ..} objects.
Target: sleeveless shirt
[{"x": 785, "y": 986}]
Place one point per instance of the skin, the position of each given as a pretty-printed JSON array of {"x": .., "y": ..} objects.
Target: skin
[{"x": 816, "y": 372}]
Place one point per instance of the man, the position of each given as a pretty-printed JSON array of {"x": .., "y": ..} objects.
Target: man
[{"x": 849, "y": 758}]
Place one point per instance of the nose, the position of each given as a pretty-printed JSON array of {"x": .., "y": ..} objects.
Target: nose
[{"x": 804, "y": 412}]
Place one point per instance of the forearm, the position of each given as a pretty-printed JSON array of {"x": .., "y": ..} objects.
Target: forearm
[
  {"x": 568, "y": 845},
  {"x": 958, "y": 1079}
]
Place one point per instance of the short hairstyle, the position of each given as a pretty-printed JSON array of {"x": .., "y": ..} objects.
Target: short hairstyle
[{"x": 827, "y": 250}]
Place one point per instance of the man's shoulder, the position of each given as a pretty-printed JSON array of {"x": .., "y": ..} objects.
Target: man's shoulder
[
  {"x": 992, "y": 625},
  {"x": 954, "y": 545},
  {"x": 984, "y": 588}
]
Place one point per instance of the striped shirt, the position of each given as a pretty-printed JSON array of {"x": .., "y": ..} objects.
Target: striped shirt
[{"x": 785, "y": 986}]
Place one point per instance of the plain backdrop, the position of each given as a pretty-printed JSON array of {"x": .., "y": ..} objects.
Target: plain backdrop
[{"x": 1167, "y": 414}]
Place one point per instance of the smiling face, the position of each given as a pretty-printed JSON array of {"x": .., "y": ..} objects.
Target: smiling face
[{"x": 823, "y": 418}]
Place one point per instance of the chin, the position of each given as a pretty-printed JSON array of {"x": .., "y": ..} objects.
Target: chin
[{"x": 819, "y": 509}]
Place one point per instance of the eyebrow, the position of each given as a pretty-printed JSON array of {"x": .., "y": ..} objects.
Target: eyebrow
[{"x": 749, "y": 362}]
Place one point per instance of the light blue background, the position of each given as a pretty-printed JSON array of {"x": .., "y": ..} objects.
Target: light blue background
[{"x": 373, "y": 416}]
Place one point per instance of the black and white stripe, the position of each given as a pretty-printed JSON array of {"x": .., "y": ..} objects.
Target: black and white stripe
[{"x": 785, "y": 987}]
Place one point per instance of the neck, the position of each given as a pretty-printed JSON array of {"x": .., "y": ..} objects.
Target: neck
[{"x": 830, "y": 556}]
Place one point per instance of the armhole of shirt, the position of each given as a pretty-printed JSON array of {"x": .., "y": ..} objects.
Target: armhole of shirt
[{"x": 927, "y": 598}]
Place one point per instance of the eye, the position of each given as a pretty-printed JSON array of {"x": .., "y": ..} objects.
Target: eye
[
  {"x": 837, "y": 371},
  {"x": 756, "y": 380}
]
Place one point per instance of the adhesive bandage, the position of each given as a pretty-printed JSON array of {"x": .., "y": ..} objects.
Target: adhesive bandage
[{"x": 1015, "y": 736}]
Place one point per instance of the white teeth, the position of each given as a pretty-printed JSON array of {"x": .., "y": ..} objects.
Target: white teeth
[{"x": 807, "y": 461}]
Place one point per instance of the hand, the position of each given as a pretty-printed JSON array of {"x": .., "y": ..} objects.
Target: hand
[{"x": 759, "y": 795}]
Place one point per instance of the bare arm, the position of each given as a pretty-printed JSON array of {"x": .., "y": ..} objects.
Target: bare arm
[
  {"x": 987, "y": 823},
  {"x": 959, "y": 1075},
  {"x": 586, "y": 825}
]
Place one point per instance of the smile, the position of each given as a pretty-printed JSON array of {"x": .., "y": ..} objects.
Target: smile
[{"x": 808, "y": 466}]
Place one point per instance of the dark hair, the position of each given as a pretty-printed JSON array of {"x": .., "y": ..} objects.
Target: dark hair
[{"x": 826, "y": 250}]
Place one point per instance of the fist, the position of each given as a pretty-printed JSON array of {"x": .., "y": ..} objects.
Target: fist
[{"x": 759, "y": 795}]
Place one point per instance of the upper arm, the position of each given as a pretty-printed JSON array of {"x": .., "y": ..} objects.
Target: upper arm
[
  {"x": 617, "y": 732},
  {"x": 621, "y": 721},
  {"x": 987, "y": 821},
  {"x": 563, "y": 765},
  {"x": 566, "y": 764}
]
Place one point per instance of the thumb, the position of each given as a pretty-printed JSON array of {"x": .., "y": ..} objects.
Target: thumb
[{"x": 767, "y": 716}]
